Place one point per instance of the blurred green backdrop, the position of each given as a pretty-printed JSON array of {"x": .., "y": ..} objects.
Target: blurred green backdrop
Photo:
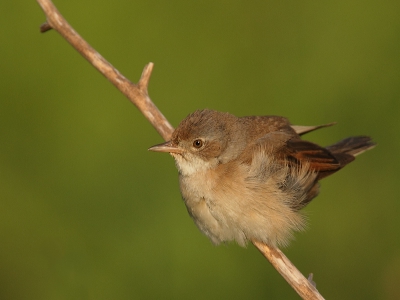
[{"x": 86, "y": 212}]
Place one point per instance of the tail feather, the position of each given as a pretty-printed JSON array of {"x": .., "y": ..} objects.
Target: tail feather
[
  {"x": 346, "y": 150},
  {"x": 300, "y": 130},
  {"x": 354, "y": 145},
  {"x": 329, "y": 160}
]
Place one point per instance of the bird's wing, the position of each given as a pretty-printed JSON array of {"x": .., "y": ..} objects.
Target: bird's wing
[
  {"x": 294, "y": 165},
  {"x": 319, "y": 158},
  {"x": 290, "y": 149}
]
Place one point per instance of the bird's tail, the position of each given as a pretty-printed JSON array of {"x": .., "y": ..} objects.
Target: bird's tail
[
  {"x": 354, "y": 145},
  {"x": 345, "y": 152}
]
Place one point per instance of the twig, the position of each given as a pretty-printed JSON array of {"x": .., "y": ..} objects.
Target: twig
[
  {"x": 138, "y": 95},
  {"x": 304, "y": 287}
]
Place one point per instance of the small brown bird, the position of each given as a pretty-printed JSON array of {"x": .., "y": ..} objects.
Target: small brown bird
[{"x": 247, "y": 178}]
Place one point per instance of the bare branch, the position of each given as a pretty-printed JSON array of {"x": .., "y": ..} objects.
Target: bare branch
[
  {"x": 138, "y": 95},
  {"x": 305, "y": 288}
]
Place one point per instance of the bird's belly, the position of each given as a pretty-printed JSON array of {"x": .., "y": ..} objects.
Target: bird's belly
[
  {"x": 206, "y": 210},
  {"x": 241, "y": 208}
]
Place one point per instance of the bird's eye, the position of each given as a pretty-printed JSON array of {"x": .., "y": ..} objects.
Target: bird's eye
[{"x": 197, "y": 143}]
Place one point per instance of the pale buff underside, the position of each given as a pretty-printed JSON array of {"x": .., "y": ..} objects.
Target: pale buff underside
[{"x": 219, "y": 209}]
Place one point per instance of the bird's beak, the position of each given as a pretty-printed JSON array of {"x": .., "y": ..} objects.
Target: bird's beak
[{"x": 166, "y": 147}]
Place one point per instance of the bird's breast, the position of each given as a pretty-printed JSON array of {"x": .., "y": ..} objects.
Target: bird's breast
[{"x": 211, "y": 197}]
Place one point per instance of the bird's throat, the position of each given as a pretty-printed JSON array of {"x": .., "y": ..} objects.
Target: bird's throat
[{"x": 190, "y": 164}]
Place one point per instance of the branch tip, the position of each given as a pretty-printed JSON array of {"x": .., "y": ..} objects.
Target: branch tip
[
  {"x": 145, "y": 77},
  {"x": 45, "y": 27},
  {"x": 311, "y": 280}
]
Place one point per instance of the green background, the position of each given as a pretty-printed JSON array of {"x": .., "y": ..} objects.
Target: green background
[{"x": 86, "y": 212}]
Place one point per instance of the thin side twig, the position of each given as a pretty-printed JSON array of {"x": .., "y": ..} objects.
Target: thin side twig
[{"x": 138, "y": 95}]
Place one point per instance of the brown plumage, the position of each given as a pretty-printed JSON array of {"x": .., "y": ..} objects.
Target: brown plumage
[{"x": 247, "y": 178}]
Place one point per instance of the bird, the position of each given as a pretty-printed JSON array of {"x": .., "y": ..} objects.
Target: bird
[{"x": 247, "y": 178}]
